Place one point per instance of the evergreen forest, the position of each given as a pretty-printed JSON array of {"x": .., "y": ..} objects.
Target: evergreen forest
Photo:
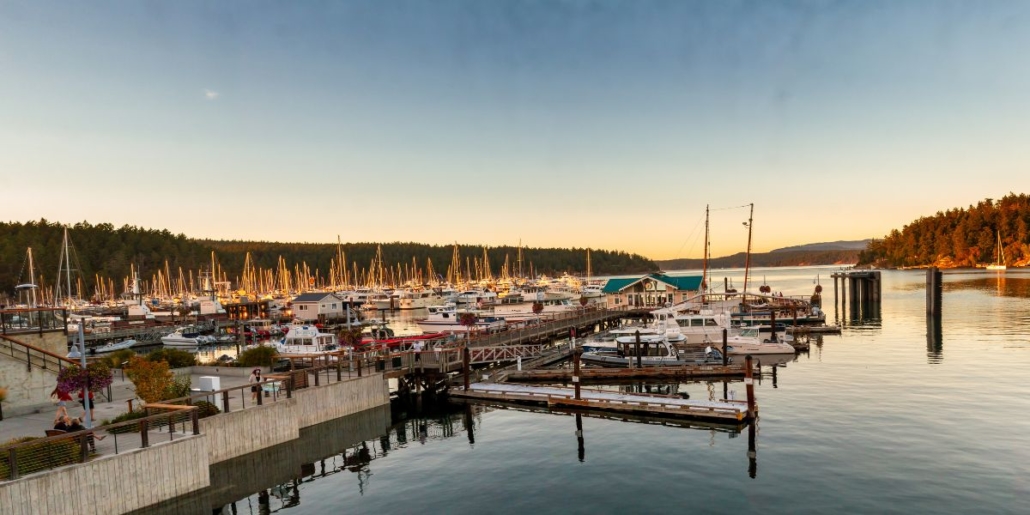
[{"x": 959, "y": 237}]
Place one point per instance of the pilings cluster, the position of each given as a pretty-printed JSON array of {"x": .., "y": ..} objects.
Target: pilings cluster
[{"x": 861, "y": 289}]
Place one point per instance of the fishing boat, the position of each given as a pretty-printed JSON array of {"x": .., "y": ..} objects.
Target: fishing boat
[
  {"x": 652, "y": 354},
  {"x": 999, "y": 260},
  {"x": 306, "y": 339}
]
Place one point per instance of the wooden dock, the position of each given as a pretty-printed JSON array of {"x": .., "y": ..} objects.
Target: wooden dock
[
  {"x": 688, "y": 372},
  {"x": 638, "y": 403}
]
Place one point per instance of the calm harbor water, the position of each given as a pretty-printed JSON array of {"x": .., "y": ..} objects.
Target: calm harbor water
[{"x": 885, "y": 418}]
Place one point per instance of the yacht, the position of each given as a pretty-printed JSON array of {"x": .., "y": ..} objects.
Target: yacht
[
  {"x": 418, "y": 299},
  {"x": 524, "y": 310},
  {"x": 306, "y": 339},
  {"x": 749, "y": 341},
  {"x": 652, "y": 354},
  {"x": 182, "y": 338},
  {"x": 447, "y": 318}
]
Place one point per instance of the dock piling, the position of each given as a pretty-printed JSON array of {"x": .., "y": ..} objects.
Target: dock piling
[
  {"x": 637, "y": 350},
  {"x": 725, "y": 347},
  {"x": 749, "y": 383},
  {"x": 466, "y": 365},
  {"x": 575, "y": 370}
]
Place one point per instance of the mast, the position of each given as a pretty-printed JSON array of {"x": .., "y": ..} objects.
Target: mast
[
  {"x": 704, "y": 269},
  {"x": 32, "y": 278},
  {"x": 747, "y": 259},
  {"x": 588, "y": 266}
]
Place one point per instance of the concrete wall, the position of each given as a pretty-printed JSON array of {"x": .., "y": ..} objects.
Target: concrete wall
[
  {"x": 319, "y": 404},
  {"x": 226, "y": 371},
  {"x": 28, "y": 391},
  {"x": 242, "y": 432},
  {"x": 55, "y": 341},
  {"x": 112, "y": 484}
]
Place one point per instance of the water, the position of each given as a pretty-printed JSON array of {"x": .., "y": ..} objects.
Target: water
[{"x": 881, "y": 419}]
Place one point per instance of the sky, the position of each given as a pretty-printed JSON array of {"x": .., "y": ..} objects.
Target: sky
[{"x": 558, "y": 124}]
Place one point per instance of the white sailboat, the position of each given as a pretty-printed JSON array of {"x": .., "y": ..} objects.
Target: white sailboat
[{"x": 999, "y": 263}]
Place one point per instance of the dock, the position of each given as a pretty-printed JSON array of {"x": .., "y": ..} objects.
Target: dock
[
  {"x": 637, "y": 403},
  {"x": 686, "y": 372}
]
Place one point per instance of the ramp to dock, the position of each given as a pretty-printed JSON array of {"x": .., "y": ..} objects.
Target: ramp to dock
[{"x": 607, "y": 401}]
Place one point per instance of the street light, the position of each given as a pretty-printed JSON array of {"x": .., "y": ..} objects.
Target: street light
[{"x": 79, "y": 351}]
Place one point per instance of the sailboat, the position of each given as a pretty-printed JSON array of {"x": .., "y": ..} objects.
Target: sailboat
[{"x": 999, "y": 263}]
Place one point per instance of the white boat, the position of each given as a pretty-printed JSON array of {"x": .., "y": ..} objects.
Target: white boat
[
  {"x": 307, "y": 339},
  {"x": 480, "y": 297},
  {"x": 113, "y": 346},
  {"x": 447, "y": 319},
  {"x": 749, "y": 341},
  {"x": 419, "y": 299},
  {"x": 182, "y": 339},
  {"x": 524, "y": 310},
  {"x": 652, "y": 354},
  {"x": 999, "y": 261}
]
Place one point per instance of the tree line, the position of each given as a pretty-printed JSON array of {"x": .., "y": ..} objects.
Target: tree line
[
  {"x": 104, "y": 251},
  {"x": 960, "y": 237}
]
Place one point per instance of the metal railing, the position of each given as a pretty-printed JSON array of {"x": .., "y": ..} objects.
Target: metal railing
[
  {"x": 33, "y": 320},
  {"x": 59, "y": 449},
  {"x": 32, "y": 355},
  {"x": 553, "y": 326}
]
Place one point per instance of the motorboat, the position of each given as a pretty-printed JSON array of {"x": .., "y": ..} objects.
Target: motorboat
[
  {"x": 524, "y": 310},
  {"x": 307, "y": 339},
  {"x": 750, "y": 341},
  {"x": 651, "y": 354},
  {"x": 447, "y": 319},
  {"x": 182, "y": 338},
  {"x": 419, "y": 299},
  {"x": 113, "y": 346}
]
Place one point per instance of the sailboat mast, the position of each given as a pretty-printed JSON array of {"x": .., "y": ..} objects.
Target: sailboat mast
[
  {"x": 32, "y": 278},
  {"x": 704, "y": 269},
  {"x": 747, "y": 259}
]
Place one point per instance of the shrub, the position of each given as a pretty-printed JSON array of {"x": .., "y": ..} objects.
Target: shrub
[
  {"x": 206, "y": 409},
  {"x": 179, "y": 387},
  {"x": 128, "y": 415},
  {"x": 116, "y": 358},
  {"x": 41, "y": 456},
  {"x": 261, "y": 356},
  {"x": 176, "y": 358},
  {"x": 151, "y": 378}
]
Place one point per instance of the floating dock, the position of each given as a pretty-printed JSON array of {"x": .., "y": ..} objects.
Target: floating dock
[
  {"x": 607, "y": 401},
  {"x": 692, "y": 372}
]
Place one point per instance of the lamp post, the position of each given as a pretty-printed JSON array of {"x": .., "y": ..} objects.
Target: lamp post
[{"x": 80, "y": 349}]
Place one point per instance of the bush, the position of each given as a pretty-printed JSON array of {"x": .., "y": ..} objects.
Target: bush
[
  {"x": 261, "y": 356},
  {"x": 179, "y": 387},
  {"x": 176, "y": 358},
  {"x": 206, "y": 409},
  {"x": 41, "y": 456},
  {"x": 151, "y": 378},
  {"x": 116, "y": 358},
  {"x": 128, "y": 415}
]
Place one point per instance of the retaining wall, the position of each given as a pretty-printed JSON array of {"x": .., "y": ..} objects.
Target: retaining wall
[
  {"x": 319, "y": 404},
  {"x": 112, "y": 484},
  {"x": 242, "y": 432}
]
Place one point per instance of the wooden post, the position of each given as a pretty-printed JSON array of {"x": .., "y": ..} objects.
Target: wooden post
[
  {"x": 225, "y": 402},
  {"x": 581, "y": 452},
  {"x": 749, "y": 383},
  {"x": 637, "y": 350},
  {"x": 575, "y": 370},
  {"x": 725, "y": 348},
  {"x": 934, "y": 289},
  {"x": 772, "y": 322},
  {"x": 466, "y": 359},
  {"x": 752, "y": 454}
]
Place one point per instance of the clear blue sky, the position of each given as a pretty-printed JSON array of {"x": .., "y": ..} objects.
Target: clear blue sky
[{"x": 590, "y": 124}]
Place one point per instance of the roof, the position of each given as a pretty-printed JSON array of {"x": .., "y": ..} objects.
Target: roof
[
  {"x": 682, "y": 282},
  {"x": 616, "y": 285},
  {"x": 313, "y": 297}
]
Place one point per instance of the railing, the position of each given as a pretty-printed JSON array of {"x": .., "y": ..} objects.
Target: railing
[
  {"x": 564, "y": 322},
  {"x": 32, "y": 355},
  {"x": 62, "y": 449},
  {"x": 31, "y": 320}
]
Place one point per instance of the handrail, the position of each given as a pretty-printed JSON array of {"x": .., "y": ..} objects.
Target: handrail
[{"x": 37, "y": 349}]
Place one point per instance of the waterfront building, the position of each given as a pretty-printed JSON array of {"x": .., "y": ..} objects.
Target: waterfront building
[{"x": 651, "y": 290}]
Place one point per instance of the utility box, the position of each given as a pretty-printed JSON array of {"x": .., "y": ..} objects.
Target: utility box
[{"x": 210, "y": 383}]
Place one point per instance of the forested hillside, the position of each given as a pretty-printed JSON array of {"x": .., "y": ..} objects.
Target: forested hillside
[
  {"x": 107, "y": 251},
  {"x": 959, "y": 237},
  {"x": 775, "y": 258}
]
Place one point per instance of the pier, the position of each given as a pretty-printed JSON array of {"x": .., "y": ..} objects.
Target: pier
[{"x": 859, "y": 288}]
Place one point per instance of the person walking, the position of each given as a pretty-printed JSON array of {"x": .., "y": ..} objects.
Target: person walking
[
  {"x": 255, "y": 379},
  {"x": 62, "y": 398},
  {"x": 417, "y": 347}
]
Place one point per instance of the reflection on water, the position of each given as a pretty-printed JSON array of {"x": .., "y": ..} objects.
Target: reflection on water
[{"x": 851, "y": 427}]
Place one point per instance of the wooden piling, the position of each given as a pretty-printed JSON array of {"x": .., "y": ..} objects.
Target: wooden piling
[
  {"x": 725, "y": 348},
  {"x": 466, "y": 365},
  {"x": 772, "y": 322},
  {"x": 934, "y": 289},
  {"x": 749, "y": 382},
  {"x": 575, "y": 370},
  {"x": 639, "y": 362}
]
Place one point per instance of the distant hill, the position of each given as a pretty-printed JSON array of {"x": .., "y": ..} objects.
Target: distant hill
[
  {"x": 831, "y": 245},
  {"x": 780, "y": 257}
]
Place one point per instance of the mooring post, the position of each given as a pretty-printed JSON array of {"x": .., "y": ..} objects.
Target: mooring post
[
  {"x": 575, "y": 370},
  {"x": 725, "y": 348},
  {"x": 934, "y": 278},
  {"x": 772, "y": 322},
  {"x": 466, "y": 359},
  {"x": 749, "y": 383},
  {"x": 637, "y": 350}
]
